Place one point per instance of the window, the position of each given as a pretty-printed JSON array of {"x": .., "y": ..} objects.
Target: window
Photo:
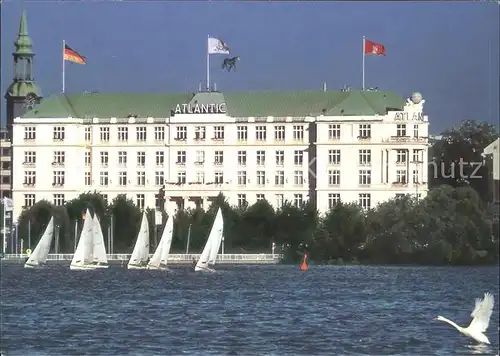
[
  {"x": 279, "y": 178},
  {"x": 333, "y": 199},
  {"x": 334, "y": 131},
  {"x": 30, "y": 157},
  {"x": 140, "y": 200},
  {"x": 122, "y": 134},
  {"x": 141, "y": 178},
  {"x": 181, "y": 157},
  {"x": 399, "y": 195},
  {"x": 400, "y": 130},
  {"x": 58, "y": 134},
  {"x": 88, "y": 134},
  {"x": 242, "y": 158},
  {"x": 199, "y": 133},
  {"x": 219, "y": 178},
  {"x": 88, "y": 179},
  {"x": 298, "y": 133},
  {"x": 103, "y": 179},
  {"x": 104, "y": 134},
  {"x": 29, "y": 133},
  {"x": 122, "y": 158},
  {"x": 298, "y": 178},
  {"x": 400, "y": 156},
  {"x": 365, "y": 200},
  {"x": 59, "y": 158},
  {"x": 260, "y": 197},
  {"x": 415, "y": 131},
  {"x": 29, "y": 200},
  {"x": 159, "y": 133},
  {"x": 5, "y": 165},
  {"x": 261, "y": 178},
  {"x": 58, "y": 199},
  {"x": 140, "y": 133},
  {"x": 417, "y": 156},
  {"x": 181, "y": 133},
  {"x": 219, "y": 158},
  {"x": 242, "y": 200},
  {"x": 141, "y": 159},
  {"x": 242, "y": 133},
  {"x": 200, "y": 177},
  {"x": 279, "y": 200},
  {"x": 297, "y": 200},
  {"x": 87, "y": 159},
  {"x": 242, "y": 178},
  {"x": 333, "y": 157},
  {"x": 122, "y": 179},
  {"x": 365, "y": 157},
  {"x": 365, "y": 131},
  {"x": 333, "y": 177},
  {"x": 365, "y": 177},
  {"x": 261, "y": 158},
  {"x": 181, "y": 177},
  {"x": 5, "y": 151},
  {"x": 200, "y": 157},
  {"x": 280, "y": 158},
  {"x": 160, "y": 158},
  {"x": 29, "y": 178},
  {"x": 279, "y": 133},
  {"x": 219, "y": 133},
  {"x": 58, "y": 178},
  {"x": 104, "y": 159},
  {"x": 260, "y": 133},
  {"x": 401, "y": 176},
  {"x": 298, "y": 158},
  {"x": 416, "y": 176},
  {"x": 159, "y": 178}
]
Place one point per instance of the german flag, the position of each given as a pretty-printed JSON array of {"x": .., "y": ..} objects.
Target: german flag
[{"x": 73, "y": 56}]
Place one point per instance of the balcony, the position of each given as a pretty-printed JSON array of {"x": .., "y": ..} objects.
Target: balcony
[
  {"x": 29, "y": 184},
  {"x": 180, "y": 163},
  {"x": 399, "y": 138},
  {"x": 199, "y": 163},
  {"x": 364, "y": 138},
  {"x": 218, "y": 163},
  {"x": 399, "y": 184},
  {"x": 58, "y": 184},
  {"x": 29, "y": 164},
  {"x": 57, "y": 164}
]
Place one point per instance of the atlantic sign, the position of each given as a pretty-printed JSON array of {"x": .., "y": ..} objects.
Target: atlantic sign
[{"x": 200, "y": 108}]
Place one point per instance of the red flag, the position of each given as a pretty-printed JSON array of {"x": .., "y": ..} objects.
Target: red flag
[{"x": 374, "y": 48}]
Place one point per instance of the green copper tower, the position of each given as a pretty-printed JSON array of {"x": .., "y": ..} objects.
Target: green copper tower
[{"x": 23, "y": 93}]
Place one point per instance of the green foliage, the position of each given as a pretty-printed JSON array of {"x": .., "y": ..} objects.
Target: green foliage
[{"x": 126, "y": 223}]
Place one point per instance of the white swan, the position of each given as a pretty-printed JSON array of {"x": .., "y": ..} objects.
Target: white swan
[{"x": 480, "y": 319}]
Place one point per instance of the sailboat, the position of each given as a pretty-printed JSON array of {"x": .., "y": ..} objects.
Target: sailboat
[
  {"x": 39, "y": 255},
  {"x": 211, "y": 249},
  {"x": 140, "y": 254},
  {"x": 160, "y": 257},
  {"x": 99, "y": 250},
  {"x": 84, "y": 254}
]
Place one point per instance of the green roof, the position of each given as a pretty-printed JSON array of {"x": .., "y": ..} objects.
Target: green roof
[{"x": 244, "y": 104}]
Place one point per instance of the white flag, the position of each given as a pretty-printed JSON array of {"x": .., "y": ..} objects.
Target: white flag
[
  {"x": 216, "y": 46},
  {"x": 8, "y": 204}
]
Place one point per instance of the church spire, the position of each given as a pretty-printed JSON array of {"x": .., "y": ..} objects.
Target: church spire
[{"x": 23, "y": 44}]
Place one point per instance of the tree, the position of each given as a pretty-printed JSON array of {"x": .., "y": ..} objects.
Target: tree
[
  {"x": 256, "y": 227},
  {"x": 126, "y": 222},
  {"x": 456, "y": 159},
  {"x": 34, "y": 221},
  {"x": 155, "y": 231}
]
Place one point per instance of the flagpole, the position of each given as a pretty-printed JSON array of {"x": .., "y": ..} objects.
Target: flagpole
[
  {"x": 63, "y": 67},
  {"x": 363, "y": 83},
  {"x": 208, "y": 65}
]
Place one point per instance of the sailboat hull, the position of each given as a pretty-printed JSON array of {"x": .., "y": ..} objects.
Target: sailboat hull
[
  {"x": 157, "y": 268},
  {"x": 82, "y": 267},
  {"x": 136, "y": 267},
  {"x": 203, "y": 269},
  {"x": 26, "y": 265}
]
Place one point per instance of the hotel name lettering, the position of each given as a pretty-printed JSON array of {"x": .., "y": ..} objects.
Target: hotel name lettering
[
  {"x": 404, "y": 116},
  {"x": 200, "y": 109}
]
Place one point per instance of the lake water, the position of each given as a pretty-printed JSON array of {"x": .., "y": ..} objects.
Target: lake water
[{"x": 243, "y": 310}]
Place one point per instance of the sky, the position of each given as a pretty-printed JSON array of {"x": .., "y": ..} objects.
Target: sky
[{"x": 447, "y": 51}]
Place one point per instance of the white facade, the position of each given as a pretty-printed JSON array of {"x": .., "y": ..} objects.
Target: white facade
[{"x": 244, "y": 158}]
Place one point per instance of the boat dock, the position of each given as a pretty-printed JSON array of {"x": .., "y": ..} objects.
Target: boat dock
[{"x": 179, "y": 258}]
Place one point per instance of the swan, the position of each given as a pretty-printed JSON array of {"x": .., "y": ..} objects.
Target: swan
[{"x": 480, "y": 319}]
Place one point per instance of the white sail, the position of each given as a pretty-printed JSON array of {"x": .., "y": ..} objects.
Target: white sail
[
  {"x": 212, "y": 243},
  {"x": 99, "y": 250},
  {"x": 140, "y": 253},
  {"x": 39, "y": 255},
  {"x": 217, "y": 229},
  {"x": 84, "y": 250},
  {"x": 160, "y": 257}
]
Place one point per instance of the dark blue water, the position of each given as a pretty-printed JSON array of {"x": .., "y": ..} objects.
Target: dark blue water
[{"x": 243, "y": 310}]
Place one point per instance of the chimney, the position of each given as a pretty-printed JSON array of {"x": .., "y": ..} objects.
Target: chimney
[
  {"x": 324, "y": 87},
  {"x": 215, "y": 86},
  {"x": 199, "y": 87}
]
